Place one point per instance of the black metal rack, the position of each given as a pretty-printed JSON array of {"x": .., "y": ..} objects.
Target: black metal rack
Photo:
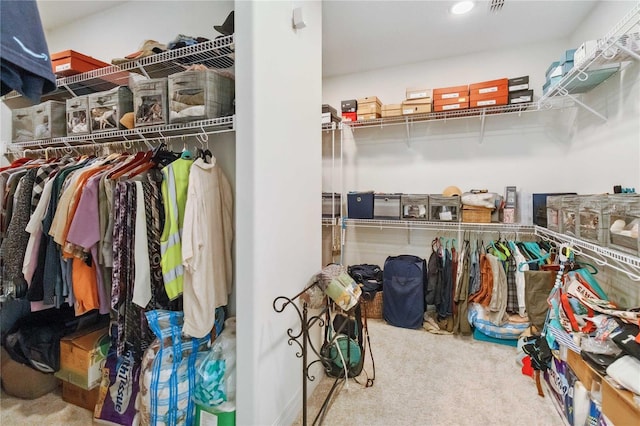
[{"x": 305, "y": 343}]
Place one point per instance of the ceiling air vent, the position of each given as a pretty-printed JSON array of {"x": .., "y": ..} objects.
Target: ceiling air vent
[{"x": 495, "y": 6}]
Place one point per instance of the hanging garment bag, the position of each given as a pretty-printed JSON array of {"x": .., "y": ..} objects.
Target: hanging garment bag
[{"x": 404, "y": 280}]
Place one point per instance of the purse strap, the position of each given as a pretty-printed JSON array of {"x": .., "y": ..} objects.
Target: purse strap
[{"x": 367, "y": 343}]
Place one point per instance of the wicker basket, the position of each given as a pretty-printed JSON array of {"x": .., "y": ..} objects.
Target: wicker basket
[
  {"x": 373, "y": 307},
  {"x": 472, "y": 214}
]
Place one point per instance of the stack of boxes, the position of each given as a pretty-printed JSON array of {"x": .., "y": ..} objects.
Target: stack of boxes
[
  {"x": 489, "y": 93},
  {"x": 329, "y": 114},
  {"x": 349, "y": 110},
  {"x": 369, "y": 108},
  {"x": 451, "y": 98},
  {"x": 567, "y": 61},
  {"x": 418, "y": 101},
  {"x": 82, "y": 355},
  {"x": 519, "y": 91},
  {"x": 559, "y": 69}
]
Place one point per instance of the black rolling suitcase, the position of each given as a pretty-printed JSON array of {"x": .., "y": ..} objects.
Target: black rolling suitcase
[{"x": 404, "y": 279}]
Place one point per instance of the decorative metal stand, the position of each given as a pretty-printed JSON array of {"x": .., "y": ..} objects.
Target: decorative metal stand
[{"x": 304, "y": 342}]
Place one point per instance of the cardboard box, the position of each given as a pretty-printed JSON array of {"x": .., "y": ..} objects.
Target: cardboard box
[
  {"x": 369, "y": 99},
  {"x": 326, "y": 117},
  {"x": 416, "y": 102},
  {"x": 350, "y": 105},
  {"x": 364, "y": 117},
  {"x": 521, "y": 96},
  {"x": 519, "y": 83},
  {"x": 392, "y": 112},
  {"x": 582, "y": 370},
  {"x": 511, "y": 196},
  {"x": 369, "y": 108},
  {"x": 554, "y": 70},
  {"x": 618, "y": 405},
  {"x": 208, "y": 416},
  {"x": 81, "y": 356},
  {"x": 450, "y": 101},
  {"x": 475, "y": 87},
  {"x": 349, "y": 116},
  {"x": 418, "y": 93},
  {"x": 490, "y": 93},
  {"x": 452, "y": 107},
  {"x": 408, "y": 109},
  {"x": 450, "y": 92},
  {"x": 329, "y": 108},
  {"x": 498, "y": 100},
  {"x": 70, "y": 62},
  {"x": 566, "y": 67},
  {"x": 567, "y": 56},
  {"x": 81, "y": 397},
  {"x": 488, "y": 87}
]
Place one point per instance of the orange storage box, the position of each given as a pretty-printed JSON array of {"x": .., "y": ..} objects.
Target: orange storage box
[
  {"x": 451, "y": 107},
  {"x": 450, "y": 92},
  {"x": 488, "y": 86},
  {"x": 496, "y": 100},
  {"x": 450, "y": 101},
  {"x": 70, "y": 62}
]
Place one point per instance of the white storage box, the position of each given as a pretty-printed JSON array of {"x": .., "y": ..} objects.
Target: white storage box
[
  {"x": 200, "y": 95},
  {"x": 78, "y": 116},
  {"x": 150, "y": 102},
  {"x": 49, "y": 120},
  {"x": 22, "y": 124},
  {"x": 107, "y": 108}
]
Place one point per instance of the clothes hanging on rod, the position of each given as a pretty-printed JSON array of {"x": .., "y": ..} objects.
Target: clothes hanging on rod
[{"x": 88, "y": 232}]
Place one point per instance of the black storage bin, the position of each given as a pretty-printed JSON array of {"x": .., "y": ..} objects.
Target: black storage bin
[{"x": 360, "y": 205}]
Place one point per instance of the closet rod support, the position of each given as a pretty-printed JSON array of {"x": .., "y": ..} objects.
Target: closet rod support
[
  {"x": 587, "y": 107},
  {"x": 627, "y": 50},
  {"x": 406, "y": 122},
  {"x": 482, "y": 122}
]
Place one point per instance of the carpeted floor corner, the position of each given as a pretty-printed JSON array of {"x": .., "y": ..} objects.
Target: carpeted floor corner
[{"x": 427, "y": 379}]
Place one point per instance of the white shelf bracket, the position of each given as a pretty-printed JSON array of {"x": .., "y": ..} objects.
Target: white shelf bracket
[
  {"x": 482, "y": 122},
  {"x": 406, "y": 122},
  {"x": 627, "y": 50},
  {"x": 68, "y": 89},
  {"x": 587, "y": 107},
  {"x": 142, "y": 70}
]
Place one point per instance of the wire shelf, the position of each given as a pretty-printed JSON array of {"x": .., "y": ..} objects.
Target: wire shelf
[
  {"x": 200, "y": 127},
  {"x": 445, "y": 115},
  {"x": 437, "y": 226},
  {"x": 622, "y": 262},
  {"x": 217, "y": 54},
  {"x": 607, "y": 59}
]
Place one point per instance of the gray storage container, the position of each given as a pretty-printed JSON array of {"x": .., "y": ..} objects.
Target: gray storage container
[
  {"x": 331, "y": 204},
  {"x": 594, "y": 219},
  {"x": 107, "y": 108},
  {"x": 150, "y": 102},
  {"x": 569, "y": 217},
  {"x": 78, "y": 116},
  {"x": 624, "y": 219},
  {"x": 443, "y": 208},
  {"x": 22, "y": 124},
  {"x": 386, "y": 206},
  {"x": 49, "y": 120},
  {"x": 200, "y": 95},
  {"x": 415, "y": 206},
  {"x": 554, "y": 207}
]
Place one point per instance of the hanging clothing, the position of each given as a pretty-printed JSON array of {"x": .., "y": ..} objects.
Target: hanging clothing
[
  {"x": 512, "y": 291},
  {"x": 206, "y": 246},
  {"x": 444, "y": 308},
  {"x": 174, "y": 193},
  {"x": 461, "y": 322},
  {"x": 498, "y": 303}
]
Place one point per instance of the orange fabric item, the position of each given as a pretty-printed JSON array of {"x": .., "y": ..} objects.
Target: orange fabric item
[
  {"x": 85, "y": 286},
  {"x": 483, "y": 296}
]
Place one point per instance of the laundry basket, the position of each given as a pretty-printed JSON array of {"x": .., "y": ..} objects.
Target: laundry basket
[{"x": 373, "y": 306}]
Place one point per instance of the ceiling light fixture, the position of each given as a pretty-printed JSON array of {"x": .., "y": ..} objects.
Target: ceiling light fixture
[{"x": 462, "y": 7}]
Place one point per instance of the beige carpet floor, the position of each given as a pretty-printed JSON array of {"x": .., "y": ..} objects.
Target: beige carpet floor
[
  {"x": 421, "y": 379},
  {"x": 427, "y": 379}
]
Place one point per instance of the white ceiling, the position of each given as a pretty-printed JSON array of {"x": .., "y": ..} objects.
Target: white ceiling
[
  {"x": 365, "y": 35},
  {"x": 362, "y": 35}
]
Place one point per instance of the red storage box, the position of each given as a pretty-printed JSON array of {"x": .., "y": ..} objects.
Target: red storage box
[
  {"x": 70, "y": 62},
  {"x": 450, "y": 92}
]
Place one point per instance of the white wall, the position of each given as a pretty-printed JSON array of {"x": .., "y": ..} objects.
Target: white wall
[
  {"x": 279, "y": 91},
  {"x": 535, "y": 151}
]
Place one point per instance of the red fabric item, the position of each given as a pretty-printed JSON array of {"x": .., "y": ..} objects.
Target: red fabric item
[{"x": 527, "y": 370}]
